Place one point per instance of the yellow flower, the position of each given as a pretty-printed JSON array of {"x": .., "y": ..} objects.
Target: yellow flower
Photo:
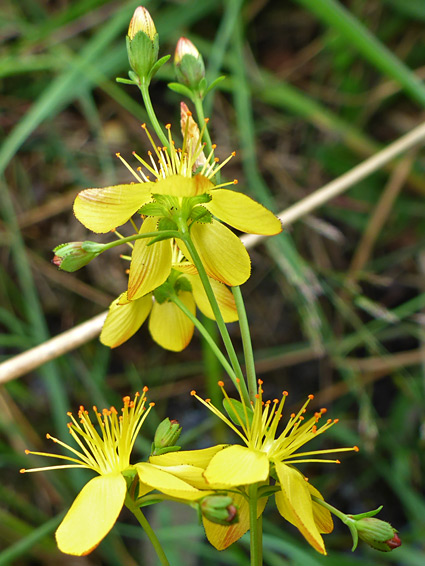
[
  {"x": 178, "y": 196},
  {"x": 269, "y": 453},
  {"x": 168, "y": 325},
  {"x": 97, "y": 506}
]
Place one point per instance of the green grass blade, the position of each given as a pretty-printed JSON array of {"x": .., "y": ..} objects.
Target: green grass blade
[{"x": 332, "y": 13}]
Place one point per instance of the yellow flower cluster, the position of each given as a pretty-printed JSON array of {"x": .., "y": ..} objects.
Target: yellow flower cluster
[{"x": 183, "y": 198}]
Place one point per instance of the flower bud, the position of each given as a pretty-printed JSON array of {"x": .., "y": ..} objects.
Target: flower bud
[
  {"x": 188, "y": 64},
  {"x": 141, "y": 21},
  {"x": 74, "y": 255},
  {"x": 165, "y": 438},
  {"x": 378, "y": 534},
  {"x": 142, "y": 43},
  {"x": 219, "y": 509},
  {"x": 192, "y": 135}
]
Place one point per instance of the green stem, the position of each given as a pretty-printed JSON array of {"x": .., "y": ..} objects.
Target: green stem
[
  {"x": 148, "y": 530},
  {"x": 255, "y": 528},
  {"x": 351, "y": 523},
  {"x": 185, "y": 236},
  {"x": 342, "y": 516},
  {"x": 144, "y": 89},
  {"x": 219, "y": 354},
  {"x": 165, "y": 233},
  {"x": 201, "y": 119},
  {"x": 246, "y": 342}
]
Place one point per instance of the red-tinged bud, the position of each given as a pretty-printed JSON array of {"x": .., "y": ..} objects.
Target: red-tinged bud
[
  {"x": 74, "y": 255},
  {"x": 192, "y": 136},
  {"x": 189, "y": 65},
  {"x": 395, "y": 542},
  {"x": 142, "y": 44},
  {"x": 378, "y": 534},
  {"x": 219, "y": 509},
  {"x": 185, "y": 47}
]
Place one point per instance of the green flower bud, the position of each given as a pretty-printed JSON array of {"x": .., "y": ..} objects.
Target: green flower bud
[
  {"x": 376, "y": 533},
  {"x": 142, "y": 43},
  {"x": 74, "y": 255},
  {"x": 219, "y": 509},
  {"x": 165, "y": 438},
  {"x": 189, "y": 65}
]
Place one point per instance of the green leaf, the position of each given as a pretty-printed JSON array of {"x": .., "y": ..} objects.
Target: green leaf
[
  {"x": 181, "y": 89},
  {"x": 238, "y": 412}
]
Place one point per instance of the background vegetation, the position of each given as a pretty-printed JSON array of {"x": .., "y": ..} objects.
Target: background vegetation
[{"x": 336, "y": 303}]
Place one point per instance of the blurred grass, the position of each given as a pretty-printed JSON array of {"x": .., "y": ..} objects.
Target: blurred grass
[{"x": 312, "y": 87}]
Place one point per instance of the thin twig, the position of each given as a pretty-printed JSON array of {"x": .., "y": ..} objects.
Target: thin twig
[
  {"x": 379, "y": 216},
  {"x": 71, "y": 339},
  {"x": 338, "y": 186},
  {"x": 51, "y": 349}
]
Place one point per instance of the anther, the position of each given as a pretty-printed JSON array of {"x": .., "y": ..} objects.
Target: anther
[
  {"x": 168, "y": 126},
  {"x": 235, "y": 181},
  {"x": 152, "y": 404},
  {"x": 221, "y": 383},
  {"x": 208, "y": 400},
  {"x": 356, "y": 448},
  {"x": 337, "y": 461},
  {"x": 118, "y": 154},
  {"x": 260, "y": 382},
  {"x": 311, "y": 397},
  {"x": 285, "y": 393},
  {"x": 22, "y": 471},
  {"x": 146, "y": 388},
  {"x": 27, "y": 451}
]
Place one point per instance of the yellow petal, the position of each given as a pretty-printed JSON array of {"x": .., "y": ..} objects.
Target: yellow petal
[
  {"x": 150, "y": 265},
  {"x": 190, "y": 474},
  {"x": 224, "y": 297},
  {"x": 199, "y": 458},
  {"x": 124, "y": 320},
  {"x": 295, "y": 505},
  {"x": 92, "y": 515},
  {"x": 322, "y": 517},
  {"x": 180, "y": 186},
  {"x": 221, "y": 251},
  {"x": 167, "y": 483},
  {"x": 237, "y": 465},
  {"x": 169, "y": 326},
  {"x": 243, "y": 213},
  {"x": 221, "y": 536},
  {"x": 102, "y": 210},
  {"x": 185, "y": 267}
]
